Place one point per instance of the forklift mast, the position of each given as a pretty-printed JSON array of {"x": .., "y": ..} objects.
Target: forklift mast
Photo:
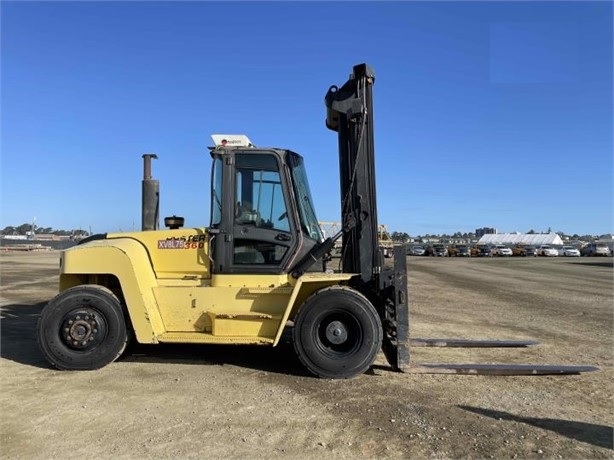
[{"x": 349, "y": 112}]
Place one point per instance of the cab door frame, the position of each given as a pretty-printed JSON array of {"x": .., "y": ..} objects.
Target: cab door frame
[{"x": 230, "y": 230}]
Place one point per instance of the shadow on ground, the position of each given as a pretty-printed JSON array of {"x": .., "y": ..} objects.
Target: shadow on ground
[
  {"x": 597, "y": 435},
  {"x": 609, "y": 264},
  {"x": 18, "y": 343}
]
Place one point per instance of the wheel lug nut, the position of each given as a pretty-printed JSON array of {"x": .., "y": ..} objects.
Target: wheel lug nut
[
  {"x": 70, "y": 322},
  {"x": 75, "y": 343},
  {"x": 86, "y": 318},
  {"x": 78, "y": 318},
  {"x": 84, "y": 343},
  {"x": 91, "y": 339},
  {"x": 95, "y": 331},
  {"x": 66, "y": 329}
]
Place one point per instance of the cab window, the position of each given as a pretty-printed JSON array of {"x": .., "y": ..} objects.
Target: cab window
[
  {"x": 260, "y": 199},
  {"x": 262, "y": 234}
]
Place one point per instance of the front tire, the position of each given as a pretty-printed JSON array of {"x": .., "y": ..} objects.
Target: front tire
[
  {"x": 82, "y": 328},
  {"x": 337, "y": 333}
]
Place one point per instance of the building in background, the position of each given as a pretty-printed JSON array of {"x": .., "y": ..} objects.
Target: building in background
[
  {"x": 479, "y": 232},
  {"x": 534, "y": 239}
]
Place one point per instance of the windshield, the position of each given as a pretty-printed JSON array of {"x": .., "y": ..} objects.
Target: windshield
[{"x": 309, "y": 223}]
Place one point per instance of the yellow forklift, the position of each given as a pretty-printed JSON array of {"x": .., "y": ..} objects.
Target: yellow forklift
[{"x": 259, "y": 267}]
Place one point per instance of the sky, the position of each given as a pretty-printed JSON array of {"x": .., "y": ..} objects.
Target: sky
[{"x": 486, "y": 114}]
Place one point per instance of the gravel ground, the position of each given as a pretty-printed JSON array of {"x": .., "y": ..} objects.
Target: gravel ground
[{"x": 234, "y": 402}]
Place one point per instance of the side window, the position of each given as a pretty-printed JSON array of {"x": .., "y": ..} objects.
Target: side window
[
  {"x": 260, "y": 199},
  {"x": 261, "y": 223}
]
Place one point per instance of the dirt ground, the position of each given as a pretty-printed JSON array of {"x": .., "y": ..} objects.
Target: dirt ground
[{"x": 251, "y": 402}]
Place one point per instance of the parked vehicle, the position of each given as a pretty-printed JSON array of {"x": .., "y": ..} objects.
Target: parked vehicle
[
  {"x": 501, "y": 250},
  {"x": 416, "y": 250},
  {"x": 440, "y": 250},
  {"x": 459, "y": 250},
  {"x": 547, "y": 251},
  {"x": 595, "y": 249},
  {"x": 483, "y": 250},
  {"x": 569, "y": 251},
  {"x": 530, "y": 251},
  {"x": 524, "y": 250},
  {"x": 437, "y": 250}
]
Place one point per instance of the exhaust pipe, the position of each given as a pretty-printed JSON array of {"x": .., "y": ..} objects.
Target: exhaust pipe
[{"x": 150, "y": 203}]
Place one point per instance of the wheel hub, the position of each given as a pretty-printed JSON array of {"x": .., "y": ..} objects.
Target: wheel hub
[
  {"x": 81, "y": 330},
  {"x": 336, "y": 332}
]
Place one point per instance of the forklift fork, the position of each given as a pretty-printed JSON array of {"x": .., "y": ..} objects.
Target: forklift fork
[{"x": 397, "y": 343}]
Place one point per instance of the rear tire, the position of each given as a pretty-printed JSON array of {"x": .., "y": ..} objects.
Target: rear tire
[
  {"x": 337, "y": 333},
  {"x": 82, "y": 328}
]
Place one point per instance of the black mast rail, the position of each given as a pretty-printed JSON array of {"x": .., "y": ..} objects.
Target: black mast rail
[{"x": 349, "y": 112}]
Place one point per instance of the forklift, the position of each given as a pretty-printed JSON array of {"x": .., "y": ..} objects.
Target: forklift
[{"x": 257, "y": 269}]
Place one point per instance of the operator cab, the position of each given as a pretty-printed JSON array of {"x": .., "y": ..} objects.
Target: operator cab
[{"x": 262, "y": 213}]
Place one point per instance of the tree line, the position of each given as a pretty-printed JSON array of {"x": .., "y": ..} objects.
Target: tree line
[{"x": 27, "y": 228}]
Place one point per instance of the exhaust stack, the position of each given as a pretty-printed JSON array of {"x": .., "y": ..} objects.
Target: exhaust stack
[{"x": 150, "y": 206}]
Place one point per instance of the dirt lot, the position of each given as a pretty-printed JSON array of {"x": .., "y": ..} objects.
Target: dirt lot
[{"x": 232, "y": 402}]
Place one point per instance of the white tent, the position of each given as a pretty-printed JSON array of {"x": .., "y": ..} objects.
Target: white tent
[{"x": 523, "y": 238}]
